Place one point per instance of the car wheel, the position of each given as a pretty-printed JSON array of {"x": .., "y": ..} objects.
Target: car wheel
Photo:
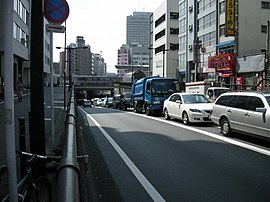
[
  {"x": 166, "y": 114},
  {"x": 185, "y": 118},
  {"x": 225, "y": 127}
]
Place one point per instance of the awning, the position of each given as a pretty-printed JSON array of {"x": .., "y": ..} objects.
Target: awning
[
  {"x": 224, "y": 44},
  {"x": 226, "y": 75},
  {"x": 251, "y": 63}
]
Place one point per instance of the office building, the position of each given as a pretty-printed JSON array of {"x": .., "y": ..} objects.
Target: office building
[{"x": 164, "y": 50}]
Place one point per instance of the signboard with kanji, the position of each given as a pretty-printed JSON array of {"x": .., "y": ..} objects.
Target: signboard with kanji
[{"x": 230, "y": 18}]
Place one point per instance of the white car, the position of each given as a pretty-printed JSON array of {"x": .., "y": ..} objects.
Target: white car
[{"x": 188, "y": 107}]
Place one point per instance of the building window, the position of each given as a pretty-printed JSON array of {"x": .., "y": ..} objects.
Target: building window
[
  {"x": 222, "y": 7},
  {"x": 208, "y": 39},
  {"x": 265, "y": 5},
  {"x": 207, "y": 21},
  {"x": 160, "y": 20},
  {"x": 222, "y": 30},
  {"x": 182, "y": 43},
  {"x": 182, "y": 26},
  {"x": 174, "y": 46},
  {"x": 160, "y": 34},
  {"x": 264, "y": 28},
  {"x": 182, "y": 9},
  {"x": 174, "y": 15},
  {"x": 174, "y": 30}
]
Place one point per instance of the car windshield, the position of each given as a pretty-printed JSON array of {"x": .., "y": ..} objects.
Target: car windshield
[
  {"x": 195, "y": 99},
  {"x": 268, "y": 99},
  {"x": 163, "y": 87},
  {"x": 218, "y": 92},
  {"x": 127, "y": 95}
]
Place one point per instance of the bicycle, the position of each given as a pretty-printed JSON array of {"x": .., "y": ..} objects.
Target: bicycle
[{"x": 30, "y": 188}]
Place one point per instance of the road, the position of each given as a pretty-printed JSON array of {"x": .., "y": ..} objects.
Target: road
[{"x": 152, "y": 159}]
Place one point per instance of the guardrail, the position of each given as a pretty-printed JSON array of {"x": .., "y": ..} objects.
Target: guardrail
[{"x": 68, "y": 169}]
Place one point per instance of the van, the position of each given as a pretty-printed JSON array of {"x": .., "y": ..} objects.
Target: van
[
  {"x": 245, "y": 112},
  {"x": 212, "y": 93}
]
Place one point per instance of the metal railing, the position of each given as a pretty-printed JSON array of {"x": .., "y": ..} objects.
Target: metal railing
[{"x": 68, "y": 169}]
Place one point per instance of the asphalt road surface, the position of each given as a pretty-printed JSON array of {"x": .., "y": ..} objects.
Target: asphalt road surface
[{"x": 152, "y": 159}]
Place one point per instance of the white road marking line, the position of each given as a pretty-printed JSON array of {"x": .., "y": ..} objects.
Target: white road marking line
[
  {"x": 222, "y": 138},
  {"x": 142, "y": 179}
]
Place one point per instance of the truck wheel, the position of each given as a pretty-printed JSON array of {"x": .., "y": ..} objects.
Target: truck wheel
[
  {"x": 185, "y": 118},
  {"x": 147, "y": 110},
  {"x": 166, "y": 114},
  {"x": 136, "y": 110}
]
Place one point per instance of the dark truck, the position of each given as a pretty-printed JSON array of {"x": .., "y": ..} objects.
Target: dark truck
[
  {"x": 149, "y": 93},
  {"x": 122, "y": 101}
]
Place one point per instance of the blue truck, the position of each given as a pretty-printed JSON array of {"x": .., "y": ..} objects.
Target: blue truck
[{"x": 149, "y": 93}]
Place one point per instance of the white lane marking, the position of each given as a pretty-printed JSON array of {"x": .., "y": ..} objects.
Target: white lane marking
[
  {"x": 222, "y": 138},
  {"x": 141, "y": 178}
]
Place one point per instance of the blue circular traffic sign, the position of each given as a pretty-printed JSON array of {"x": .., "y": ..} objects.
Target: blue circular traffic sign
[{"x": 56, "y": 11}]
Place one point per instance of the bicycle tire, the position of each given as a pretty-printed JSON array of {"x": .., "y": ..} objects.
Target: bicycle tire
[{"x": 39, "y": 191}]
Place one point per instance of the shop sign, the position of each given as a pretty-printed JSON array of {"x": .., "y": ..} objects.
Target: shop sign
[
  {"x": 230, "y": 18},
  {"x": 223, "y": 62}
]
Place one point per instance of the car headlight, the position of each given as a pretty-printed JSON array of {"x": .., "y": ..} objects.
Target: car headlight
[
  {"x": 156, "y": 102},
  {"x": 195, "y": 110}
]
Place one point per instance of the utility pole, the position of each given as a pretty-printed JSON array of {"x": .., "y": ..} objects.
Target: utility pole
[{"x": 37, "y": 125}]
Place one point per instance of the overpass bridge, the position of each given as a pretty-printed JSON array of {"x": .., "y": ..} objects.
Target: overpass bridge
[{"x": 99, "y": 86}]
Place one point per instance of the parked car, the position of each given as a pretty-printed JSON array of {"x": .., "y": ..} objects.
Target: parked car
[
  {"x": 126, "y": 100},
  {"x": 87, "y": 103},
  {"x": 117, "y": 104},
  {"x": 80, "y": 101},
  {"x": 109, "y": 102},
  {"x": 103, "y": 101},
  {"x": 245, "y": 112},
  {"x": 212, "y": 93},
  {"x": 189, "y": 107}
]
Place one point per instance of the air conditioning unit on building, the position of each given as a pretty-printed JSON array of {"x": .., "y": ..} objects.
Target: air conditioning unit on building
[
  {"x": 190, "y": 8},
  {"x": 190, "y": 27},
  {"x": 189, "y": 47}
]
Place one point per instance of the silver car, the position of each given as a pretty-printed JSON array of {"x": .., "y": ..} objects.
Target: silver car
[{"x": 245, "y": 112}]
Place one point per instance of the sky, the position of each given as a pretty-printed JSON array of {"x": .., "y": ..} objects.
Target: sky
[{"x": 102, "y": 23}]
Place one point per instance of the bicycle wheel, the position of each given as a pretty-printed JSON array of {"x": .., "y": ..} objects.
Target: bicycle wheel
[{"x": 39, "y": 191}]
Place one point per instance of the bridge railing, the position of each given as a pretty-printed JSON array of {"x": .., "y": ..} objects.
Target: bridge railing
[{"x": 68, "y": 169}]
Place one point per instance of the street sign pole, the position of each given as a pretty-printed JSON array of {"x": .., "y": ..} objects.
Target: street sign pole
[
  {"x": 52, "y": 90},
  {"x": 37, "y": 125}
]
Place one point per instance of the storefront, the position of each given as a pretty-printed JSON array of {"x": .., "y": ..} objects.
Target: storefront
[{"x": 224, "y": 65}]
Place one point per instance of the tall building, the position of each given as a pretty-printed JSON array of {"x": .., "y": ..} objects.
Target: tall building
[
  {"x": 165, "y": 45},
  {"x": 84, "y": 62},
  {"x": 138, "y": 28},
  {"x": 99, "y": 65},
  {"x": 123, "y": 60},
  {"x": 134, "y": 55}
]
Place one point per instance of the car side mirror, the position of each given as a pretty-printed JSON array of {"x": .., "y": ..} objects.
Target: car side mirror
[
  {"x": 262, "y": 110},
  {"x": 178, "y": 101}
]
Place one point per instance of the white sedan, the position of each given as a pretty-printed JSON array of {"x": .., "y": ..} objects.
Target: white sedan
[{"x": 189, "y": 107}]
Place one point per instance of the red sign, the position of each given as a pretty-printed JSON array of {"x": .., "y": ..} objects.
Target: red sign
[{"x": 223, "y": 62}]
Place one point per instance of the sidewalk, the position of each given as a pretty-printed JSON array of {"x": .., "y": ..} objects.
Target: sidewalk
[{"x": 21, "y": 109}]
